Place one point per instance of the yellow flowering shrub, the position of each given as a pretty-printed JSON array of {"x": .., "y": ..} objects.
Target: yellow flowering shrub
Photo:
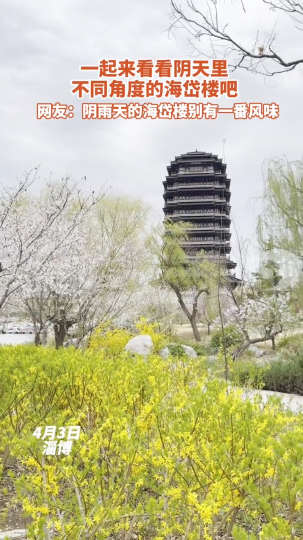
[
  {"x": 152, "y": 329},
  {"x": 163, "y": 453},
  {"x": 112, "y": 340}
]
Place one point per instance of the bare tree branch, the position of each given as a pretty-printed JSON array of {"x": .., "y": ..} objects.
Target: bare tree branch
[{"x": 204, "y": 25}]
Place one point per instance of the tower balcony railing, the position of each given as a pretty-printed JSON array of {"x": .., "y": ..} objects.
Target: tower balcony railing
[
  {"x": 192, "y": 173},
  {"x": 196, "y": 169},
  {"x": 208, "y": 241},
  {"x": 196, "y": 184},
  {"x": 213, "y": 255},
  {"x": 197, "y": 198},
  {"x": 214, "y": 183},
  {"x": 199, "y": 211},
  {"x": 214, "y": 239},
  {"x": 207, "y": 226}
]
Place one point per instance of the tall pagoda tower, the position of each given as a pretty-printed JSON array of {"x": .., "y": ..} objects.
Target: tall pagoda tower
[{"x": 197, "y": 191}]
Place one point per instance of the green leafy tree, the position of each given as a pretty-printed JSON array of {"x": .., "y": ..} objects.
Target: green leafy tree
[
  {"x": 268, "y": 278},
  {"x": 188, "y": 278},
  {"x": 209, "y": 309},
  {"x": 280, "y": 226}
]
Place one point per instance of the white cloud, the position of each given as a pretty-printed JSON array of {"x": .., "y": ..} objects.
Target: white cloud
[{"x": 42, "y": 46}]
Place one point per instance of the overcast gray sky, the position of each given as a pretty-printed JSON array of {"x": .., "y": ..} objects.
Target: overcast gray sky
[{"x": 42, "y": 47}]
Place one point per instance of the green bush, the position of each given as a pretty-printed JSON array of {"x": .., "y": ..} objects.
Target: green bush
[
  {"x": 201, "y": 350},
  {"x": 284, "y": 375},
  {"x": 292, "y": 344},
  {"x": 247, "y": 373},
  {"x": 283, "y": 342},
  {"x": 176, "y": 350},
  {"x": 230, "y": 338}
]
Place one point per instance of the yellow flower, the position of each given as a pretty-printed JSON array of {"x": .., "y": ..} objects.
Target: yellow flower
[{"x": 270, "y": 473}]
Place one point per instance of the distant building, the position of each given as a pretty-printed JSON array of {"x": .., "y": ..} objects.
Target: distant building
[{"x": 197, "y": 191}]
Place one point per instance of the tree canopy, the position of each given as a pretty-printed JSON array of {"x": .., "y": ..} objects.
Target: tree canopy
[
  {"x": 188, "y": 278},
  {"x": 280, "y": 225}
]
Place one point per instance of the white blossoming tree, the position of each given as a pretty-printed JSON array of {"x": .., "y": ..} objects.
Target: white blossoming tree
[
  {"x": 34, "y": 229},
  {"x": 96, "y": 277},
  {"x": 260, "y": 318}
]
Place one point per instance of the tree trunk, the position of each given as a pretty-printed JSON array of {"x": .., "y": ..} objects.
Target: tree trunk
[
  {"x": 195, "y": 328},
  {"x": 208, "y": 329},
  {"x": 243, "y": 348},
  {"x": 37, "y": 331},
  {"x": 191, "y": 316},
  {"x": 61, "y": 328},
  {"x": 44, "y": 337},
  {"x": 273, "y": 342},
  {"x": 37, "y": 339},
  {"x": 249, "y": 342},
  {"x": 60, "y": 333}
]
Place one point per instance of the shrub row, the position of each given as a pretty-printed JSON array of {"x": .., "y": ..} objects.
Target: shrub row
[
  {"x": 281, "y": 375},
  {"x": 284, "y": 374}
]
